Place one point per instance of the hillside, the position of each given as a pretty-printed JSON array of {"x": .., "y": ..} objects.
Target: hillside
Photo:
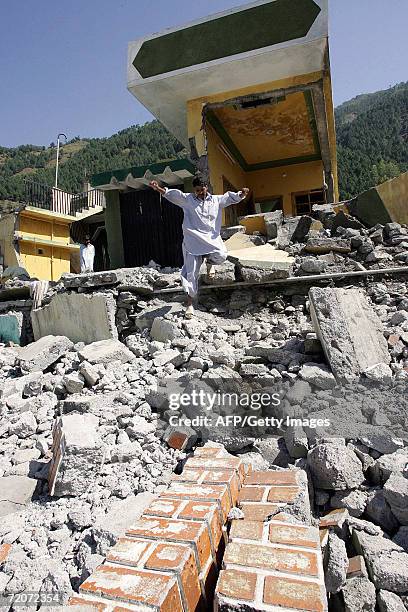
[{"x": 372, "y": 136}]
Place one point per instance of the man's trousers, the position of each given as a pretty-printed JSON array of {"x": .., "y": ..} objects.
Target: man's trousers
[{"x": 190, "y": 271}]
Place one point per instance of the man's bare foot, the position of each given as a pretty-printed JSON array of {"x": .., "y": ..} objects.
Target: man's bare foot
[
  {"x": 189, "y": 311},
  {"x": 210, "y": 271}
]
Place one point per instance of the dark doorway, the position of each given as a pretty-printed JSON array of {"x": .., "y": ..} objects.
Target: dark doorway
[{"x": 151, "y": 229}]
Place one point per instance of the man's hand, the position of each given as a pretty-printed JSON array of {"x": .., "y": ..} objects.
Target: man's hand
[
  {"x": 245, "y": 191},
  {"x": 155, "y": 185}
]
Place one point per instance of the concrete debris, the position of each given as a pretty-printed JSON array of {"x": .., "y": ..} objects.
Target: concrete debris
[
  {"x": 389, "y": 602},
  {"x": 334, "y": 466},
  {"x": 359, "y": 595},
  {"x": 351, "y": 333},
  {"x": 43, "y": 353},
  {"x": 105, "y": 351},
  {"x": 336, "y": 563}
]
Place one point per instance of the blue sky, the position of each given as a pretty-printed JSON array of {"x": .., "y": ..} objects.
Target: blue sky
[{"x": 63, "y": 63}]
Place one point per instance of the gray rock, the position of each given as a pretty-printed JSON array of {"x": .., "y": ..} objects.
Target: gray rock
[
  {"x": 324, "y": 244},
  {"x": 310, "y": 265},
  {"x": 105, "y": 351},
  {"x": 396, "y": 494},
  {"x": 389, "y": 602},
  {"x": 223, "y": 274},
  {"x": 334, "y": 466},
  {"x": 355, "y": 501},
  {"x": 401, "y": 538},
  {"x": 44, "y": 352},
  {"x": 359, "y": 595},
  {"x": 74, "y": 383},
  {"x": 318, "y": 375},
  {"x": 388, "y": 464},
  {"x": 335, "y": 564},
  {"x": 378, "y": 511},
  {"x": 163, "y": 330},
  {"x": 15, "y": 493},
  {"x": 90, "y": 373},
  {"x": 25, "y": 426},
  {"x": 298, "y": 391}
]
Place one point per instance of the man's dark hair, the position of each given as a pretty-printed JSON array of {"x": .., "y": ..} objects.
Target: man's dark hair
[{"x": 198, "y": 182}]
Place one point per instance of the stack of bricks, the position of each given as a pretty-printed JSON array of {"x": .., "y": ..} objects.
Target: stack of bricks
[
  {"x": 170, "y": 558},
  {"x": 270, "y": 562}
]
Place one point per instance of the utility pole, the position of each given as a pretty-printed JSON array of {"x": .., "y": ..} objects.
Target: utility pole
[{"x": 56, "y": 166}]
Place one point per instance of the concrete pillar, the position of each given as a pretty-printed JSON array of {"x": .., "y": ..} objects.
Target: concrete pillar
[{"x": 113, "y": 224}]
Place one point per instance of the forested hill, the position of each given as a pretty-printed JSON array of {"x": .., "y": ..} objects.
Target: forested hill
[
  {"x": 372, "y": 139},
  {"x": 372, "y": 135},
  {"x": 134, "y": 146}
]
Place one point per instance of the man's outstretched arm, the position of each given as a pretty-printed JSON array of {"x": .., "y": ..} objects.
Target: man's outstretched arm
[
  {"x": 173, "y": 195},
  {"x": 232, "y": 197}
]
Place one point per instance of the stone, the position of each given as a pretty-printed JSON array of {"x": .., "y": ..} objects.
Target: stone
[
  {"x": 386, "y": 561},
  {"x": 163, "y": 330},
  {"x": 15, "y": 493},
  {"x": 128, "y": 451},
  {"x": 298, "y": 392},
  {"x": 317, "y": 375},
  {"x": 90, "y": 373},
  {"x": 310, "y": 265},
  {"x": 160, "y": 358},
  {"x": 253, "y": 369},
  {"x": 389, "y": 602},
  {"x": 105, "y": 351},
  {"x": 25, "y": 426},
  {"x": 359, "y": 595},
  {"x": 380, "y": 372},
  {"x": 39, "y": 355},
  {"x": 273, "y": 222},
  {"x": 294, "y": 229},
  {"x": 240, "y": 241},
  {"x": 351, "y": 333},
  {"x": 11, "y": 327},
  {"x": 222, "y": 274},
  {"x": 378, "y": 511},
  {"x": 388, "y": 464},
  {"x": 401, "y": 538},
  {"x": 16, "y": 386},
  {"x": 227, "y": 232},
  {"x": 144, "y": 320},
  {"x": 323, "y": 244},
  {"x": 74, "y": 383},
  {"x": 335, "y": 563},
  {"x": 355, "y": 501},
  {"x": 263, "y": 262},
  {"x": 334, "y": 466},
  {"x": 79, "y": 316},
  {"x": 396, "y": 494},
  {"x": 78, "y": 453}
]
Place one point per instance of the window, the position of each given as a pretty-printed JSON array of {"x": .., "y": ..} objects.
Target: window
[
  {"x": 270, "y": 204},
  {"x": 303, "y": 202}
]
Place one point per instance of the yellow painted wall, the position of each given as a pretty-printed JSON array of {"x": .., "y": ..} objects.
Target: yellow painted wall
[
  {"x": 221, "y": 166},
  {"x": 394, "y": 194},
  {"x": 272, "y": 182},
  {"x": 46, "y": 229},
  {"x": 6, "y": 240}
]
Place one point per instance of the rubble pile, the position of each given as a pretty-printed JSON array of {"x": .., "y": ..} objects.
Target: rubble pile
[{"x": 86, "y": 430}]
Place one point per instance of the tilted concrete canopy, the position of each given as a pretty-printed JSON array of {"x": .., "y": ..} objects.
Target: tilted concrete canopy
[{"x": 265, "y": 41}]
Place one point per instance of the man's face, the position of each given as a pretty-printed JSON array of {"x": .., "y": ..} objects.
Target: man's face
[{"x": 201, "y": 192}]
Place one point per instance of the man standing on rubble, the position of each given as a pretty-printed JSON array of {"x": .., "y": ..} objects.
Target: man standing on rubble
[
  {"x": 87, "y": 255},
  {"x": 201, "y": 231}
]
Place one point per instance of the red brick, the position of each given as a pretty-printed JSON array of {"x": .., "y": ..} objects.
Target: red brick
[
  {"x": 334, "y": 518},
  {"x": 208, "y": 512},
  {"x": 163, "y": 507},
  {"x": 210, "y": 451},
  {"x": 172, "y": 530},
  {"x": 294, "y": 535},
  {"x": 214, "y": 476},
  {"x": 246, "y": 530},
  {"x": 128, "y": 551},
  {"x": 180, "y": 559},
  {"x": 160, "y": 591},
  {"x": 236, "y": 584},
  {"x": 86, "y": 605},
  {"x": 284, "y": 495},
  {"x": 251, "y": 494},
  {"x": 294, "y": 594},
  {"x": 185, "y": 490},
  {"x": 214, "y": 463},
  {"x": 356, "y": 567},
  {"x": 258, "y": 512},
  {"x": 272, "y": 557},
  {"x": 4, "y": 552},
  {"x": 272, "y": 478}
]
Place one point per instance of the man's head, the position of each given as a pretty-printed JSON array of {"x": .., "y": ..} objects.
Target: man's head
[
  {"x": 87, "y": 239},
  {"x": 200, "y": 188}
]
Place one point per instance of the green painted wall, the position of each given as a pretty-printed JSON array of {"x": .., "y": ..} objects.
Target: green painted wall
[
  {"x": 10, "y": 327},
  {"x": 271, "y": 23},
  {"x": 113, "y": 226}
]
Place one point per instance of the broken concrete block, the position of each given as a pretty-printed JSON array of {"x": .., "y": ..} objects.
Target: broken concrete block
[
  {"x": 294, "y": 229},
  {"x": 25, "y": 426},
  {"x": 144, "y": 320},
  {"x": 223, "y": 274},
  {"x": 379, "y": 512},
  {"x": 16, "y": 386},
  {"x": 77, "y": 454},
  {"x": 79, "y": 316},
  {"x": 317, "y": 375},
  {"x": 11, "y": 325},
  {"x": 39, "y": 355},
  {"x": 90, "y": 373},
  {"x": 387, "y": 562},
  {"x": 263, "y": 263},
  {"x": 389, "y": 602},
  {"x": 106, "y": 351},
  {"x": 359, "y": 595},
  {"x": 396, "y": 494},
  {"x": 74, "y": 382},
  {"x": 227, "y": 232},
  {"x": 163, "y": 330},
  {"x": 324, "y": 244},
  {"x": 273, "y": 221},
  {"x": 15, "y": 493},
  {"x": 350, "y": 331},
  {"x": 335, "y": 564},
  {"x": 243, "y": 241},
  {"x": 334, "y": 466}
]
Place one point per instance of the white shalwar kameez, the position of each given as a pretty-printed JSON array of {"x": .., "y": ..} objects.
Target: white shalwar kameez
[
  {"x": 201, "y": 231},
  {"x": 87, "y": 256}
]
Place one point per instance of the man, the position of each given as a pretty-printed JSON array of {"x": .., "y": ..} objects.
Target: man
[
  {"x": 201, "y": 231},
  {"x": 87, "y": 255}
]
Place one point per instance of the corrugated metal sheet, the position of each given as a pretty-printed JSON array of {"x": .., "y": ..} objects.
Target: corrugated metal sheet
[{"x": 151, "y": 229}]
